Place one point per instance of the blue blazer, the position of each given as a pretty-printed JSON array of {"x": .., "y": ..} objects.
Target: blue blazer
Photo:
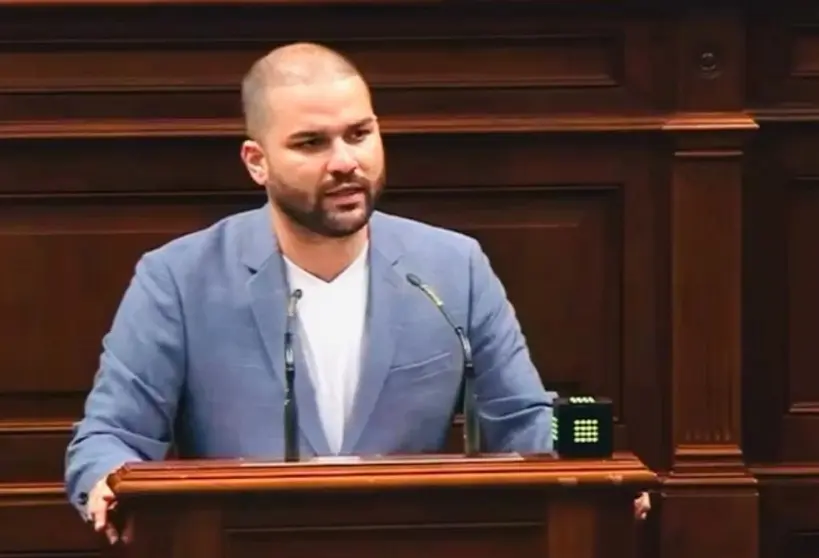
[{"x": 195, "y": 354}]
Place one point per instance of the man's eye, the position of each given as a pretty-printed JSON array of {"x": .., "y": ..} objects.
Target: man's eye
[
  {"x": 360, "y": 134},
  {"x": 309, "y": 143}
]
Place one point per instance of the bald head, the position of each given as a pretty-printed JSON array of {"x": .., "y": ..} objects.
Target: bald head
[{"x": 289, "y": 65}]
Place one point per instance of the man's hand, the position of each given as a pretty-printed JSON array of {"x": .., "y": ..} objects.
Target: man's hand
[
  {"x": 642, "y": 505},
  {"x": 100, "y": 503}
]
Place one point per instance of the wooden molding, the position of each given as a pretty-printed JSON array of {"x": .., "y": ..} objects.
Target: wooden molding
[{"x": 383, "y": 473}]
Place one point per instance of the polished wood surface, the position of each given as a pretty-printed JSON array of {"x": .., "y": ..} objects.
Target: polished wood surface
[
  {"x": 197, "y": 477},
  {"x": 401, "y": 506},
  {"x": 642, "y": 175}
]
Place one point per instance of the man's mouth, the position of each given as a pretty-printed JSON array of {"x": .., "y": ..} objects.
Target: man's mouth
[
  {"x": 345, "y": 191},
  {"x": 346, "y": 198}
]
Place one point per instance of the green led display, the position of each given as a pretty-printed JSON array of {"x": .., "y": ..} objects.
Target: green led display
[
  {"x": 583, "y": 427},
  {"x": 586, "y": 431}
]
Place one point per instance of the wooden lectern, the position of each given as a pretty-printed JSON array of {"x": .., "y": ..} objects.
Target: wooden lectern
[{"x": 382, "y": 507}]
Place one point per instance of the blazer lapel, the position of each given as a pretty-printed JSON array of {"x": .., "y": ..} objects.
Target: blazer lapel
[
  {"x": 381, "y": 332},
  {"x": 269, "y": 292}
]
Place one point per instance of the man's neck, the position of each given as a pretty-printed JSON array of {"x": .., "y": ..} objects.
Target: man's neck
[{"x": 323, "y": 257}]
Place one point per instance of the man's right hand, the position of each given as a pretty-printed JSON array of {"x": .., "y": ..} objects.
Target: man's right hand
[{"x": 101, "y": 501}]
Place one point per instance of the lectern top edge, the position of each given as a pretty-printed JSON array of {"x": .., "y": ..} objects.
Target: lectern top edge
[{"x": 392, "y": 472}]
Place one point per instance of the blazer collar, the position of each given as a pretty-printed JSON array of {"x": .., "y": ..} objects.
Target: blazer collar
[{"x": 259, "y": 241}]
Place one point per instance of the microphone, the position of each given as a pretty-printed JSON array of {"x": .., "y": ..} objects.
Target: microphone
[
  {"x": 471, "y": 426},
  {"x": 291, "y": 413}
]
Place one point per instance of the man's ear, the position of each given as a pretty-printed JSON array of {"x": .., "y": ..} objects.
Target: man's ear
[{"x": 255, "y": 161}]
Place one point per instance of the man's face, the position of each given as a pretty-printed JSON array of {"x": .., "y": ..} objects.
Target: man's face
[{"x": 321, "y": 159}]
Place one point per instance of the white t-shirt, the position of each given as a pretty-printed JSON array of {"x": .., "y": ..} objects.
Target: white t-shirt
[{"x": 331, "y": 318}]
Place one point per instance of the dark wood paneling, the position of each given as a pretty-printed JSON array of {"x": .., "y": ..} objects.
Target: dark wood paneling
[
  {"x": 33, "y": 450},
  {"x": 35, "y": 520},
  {"x": 704, "y": 506},
  {"x": 790, "y": 498},
  {"x": 494, "y": 61},
  {"x": 785, "y": 48},
  {"x": 780, "y": 391},
  {"x": 781, "y": 302}
]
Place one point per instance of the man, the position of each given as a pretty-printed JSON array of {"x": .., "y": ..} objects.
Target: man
[{"x": 194, "y": 355}]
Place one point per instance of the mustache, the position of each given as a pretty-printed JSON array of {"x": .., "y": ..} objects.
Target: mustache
[{"x": 347, "y": 187}]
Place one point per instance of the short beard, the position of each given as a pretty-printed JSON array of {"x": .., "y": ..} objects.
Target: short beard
[{"x": 295, "y": 204}]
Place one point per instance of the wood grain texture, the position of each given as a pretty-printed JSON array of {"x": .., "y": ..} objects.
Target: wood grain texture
[
  {"x": 376, "y": 473},
  {"x": 431, "y": 504}
]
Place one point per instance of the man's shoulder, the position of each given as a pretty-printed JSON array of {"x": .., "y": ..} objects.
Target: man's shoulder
[{"x": 204, "y": 242}]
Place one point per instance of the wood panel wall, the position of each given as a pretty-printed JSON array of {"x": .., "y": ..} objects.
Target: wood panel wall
[{"x": 643, "y": 176}]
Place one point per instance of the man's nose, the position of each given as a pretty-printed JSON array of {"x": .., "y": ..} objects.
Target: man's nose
[{"x": 342, "y": 160}]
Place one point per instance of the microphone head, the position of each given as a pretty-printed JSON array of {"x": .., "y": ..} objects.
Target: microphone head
[
  {"x": 413, "y": 280},
  {"x": 291, "y": 306}
]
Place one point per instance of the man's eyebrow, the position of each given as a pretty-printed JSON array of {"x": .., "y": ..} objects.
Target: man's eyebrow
[
  {"x": 310, "y": 134},
  {"x": 305, "y": 134},
  {"x": 364, "y": 122}
]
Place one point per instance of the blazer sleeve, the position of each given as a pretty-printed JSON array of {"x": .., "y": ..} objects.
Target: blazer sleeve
[
  {"x": 130, "y": 411},
  {"x": 514, "y": 407}
]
